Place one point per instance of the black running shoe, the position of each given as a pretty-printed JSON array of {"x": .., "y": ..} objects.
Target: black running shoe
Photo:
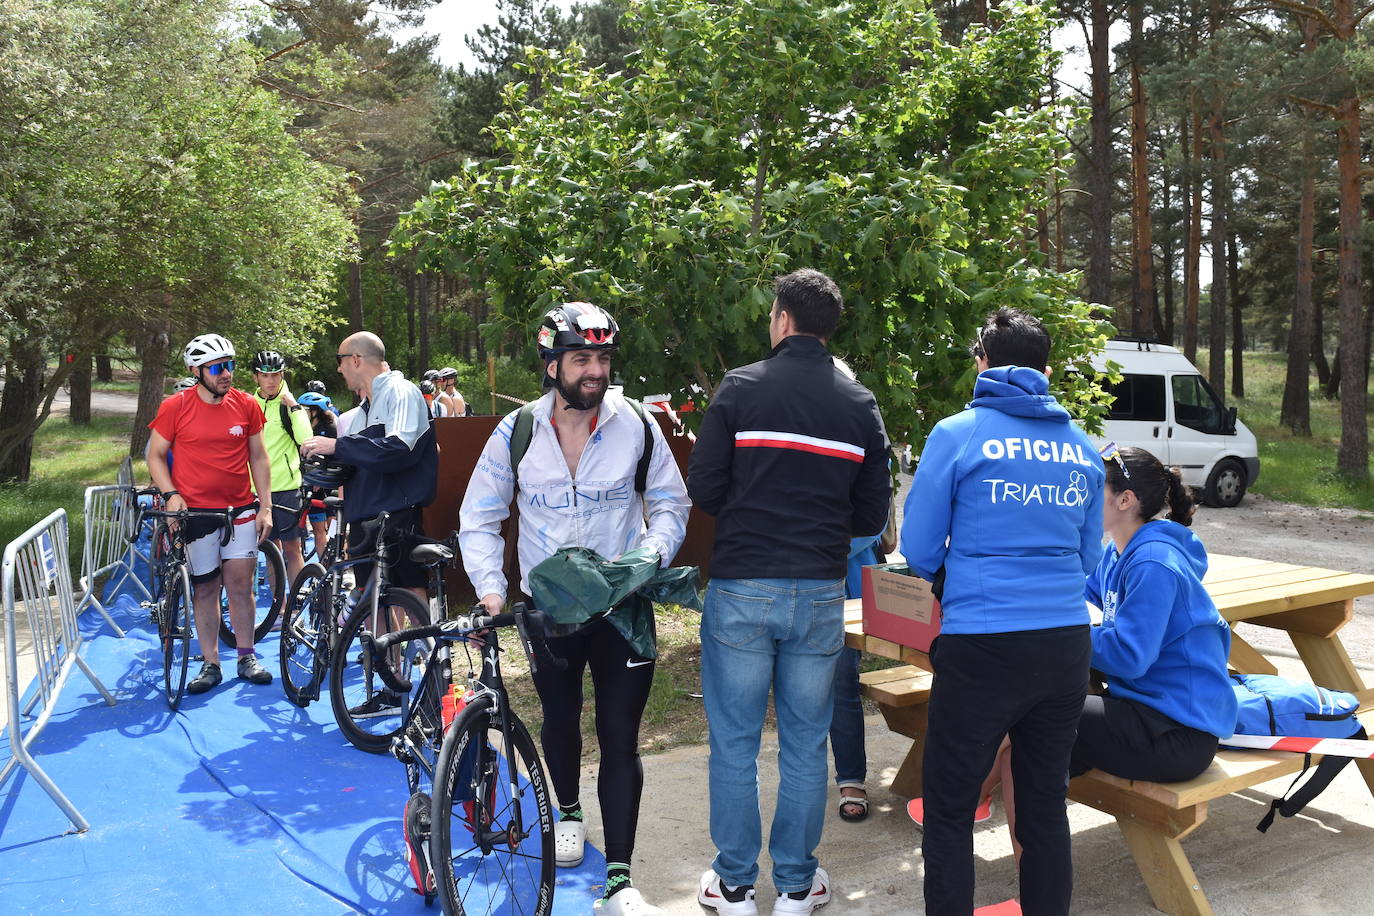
[
  {"x": 209, "y": 676},
  {"x": 252, "y": 671},
  {"x": 381, "y": 704}
]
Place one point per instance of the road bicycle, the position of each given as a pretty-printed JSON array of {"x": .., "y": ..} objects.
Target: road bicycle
[
  {"x": 313, "y": 613},
  {"x": 367, "y": 711},
  {"x": 171, "y": 607},
  {"x": 482, "y": 842}
]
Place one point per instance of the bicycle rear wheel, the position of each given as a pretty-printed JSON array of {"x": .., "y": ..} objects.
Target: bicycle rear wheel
[
  {"x": 492, "y": 837},
  {"x": 174, "y": 629},
  {"x": 268, "y": 594},
  {"x": 304, "y": 647},
  {"x": 369, "y": 714}
]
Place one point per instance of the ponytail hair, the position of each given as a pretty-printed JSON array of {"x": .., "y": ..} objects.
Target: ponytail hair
[{"x": 1153, "y": 484}]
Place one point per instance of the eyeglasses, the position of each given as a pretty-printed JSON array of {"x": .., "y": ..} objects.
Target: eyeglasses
[
  {"x": 220, "y": 368},
  {"x": 339, "y": 357},
  {"x": 977, "y": 351},
  {"x": 1110, "y": 452}
]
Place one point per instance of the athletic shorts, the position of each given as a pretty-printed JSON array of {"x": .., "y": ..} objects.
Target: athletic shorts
[
  {"x": 203, "y": 555},
  {"x": 286, "y": 515}
]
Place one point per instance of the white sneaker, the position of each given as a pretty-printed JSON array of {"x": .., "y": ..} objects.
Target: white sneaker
[
  {"x": 569, "y": 838},
  {"x": 711, "y": 894},
  {"x": 628, "y": 902},
  {"x": 818, "y": 896}
]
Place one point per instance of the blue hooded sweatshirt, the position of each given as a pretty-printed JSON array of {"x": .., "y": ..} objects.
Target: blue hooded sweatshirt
[
  {"x": 1162, "y": 641},
  {"x": 1016, "y": 490}
]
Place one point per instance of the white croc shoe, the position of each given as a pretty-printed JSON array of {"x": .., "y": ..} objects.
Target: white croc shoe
[
  {"x": 628, "y": 902},
  {"x": 819, "y": 895},
  {"x": 569, "y": 838}
]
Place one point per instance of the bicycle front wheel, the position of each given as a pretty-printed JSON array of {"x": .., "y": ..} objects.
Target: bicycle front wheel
[
  {"x": 175, "y": 629},
  {"x": 368, "y": 713},
  {"x": 268, "y": 594},
  {"x": 305, "y": 630},
  {"x": 492, "y": 837}
]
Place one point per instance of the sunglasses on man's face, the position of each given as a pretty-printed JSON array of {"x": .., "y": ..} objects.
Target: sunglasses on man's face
[
  {"x": 340, "y": 357},
  {"x": 220, "y": 368}
]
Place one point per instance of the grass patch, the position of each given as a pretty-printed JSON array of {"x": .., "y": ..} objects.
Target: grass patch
[
  {"x": 66, "y": 460},
  {"x": 1292, "y": 469}
]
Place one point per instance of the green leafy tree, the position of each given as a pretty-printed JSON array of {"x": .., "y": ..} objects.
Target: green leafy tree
[{"x": 754, "y": 138}]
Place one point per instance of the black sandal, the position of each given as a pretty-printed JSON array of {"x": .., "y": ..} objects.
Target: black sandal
[{"x": 858, "y": 801}]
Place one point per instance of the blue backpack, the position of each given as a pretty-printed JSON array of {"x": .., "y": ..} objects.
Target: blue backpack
[{"x": 1272, "y": 705}]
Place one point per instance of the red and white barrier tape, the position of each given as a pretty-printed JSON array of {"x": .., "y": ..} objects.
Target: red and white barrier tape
[{"x": 1337, "y": 747}]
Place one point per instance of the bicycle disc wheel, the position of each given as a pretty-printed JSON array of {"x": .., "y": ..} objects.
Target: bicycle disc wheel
[
  {"x": 369, "y": 714},
  {"x": 492, "y": 837},
  {"x": 175, "y": 631},
  {"x": 304, "y": 647},
  {"x": 268, "y": 593}
]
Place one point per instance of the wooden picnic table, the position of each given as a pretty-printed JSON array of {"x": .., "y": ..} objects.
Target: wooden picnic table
[{"x": 1309, "y": 603}]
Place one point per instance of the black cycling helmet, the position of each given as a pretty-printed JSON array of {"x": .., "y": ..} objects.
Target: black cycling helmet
[
  {"x": 316, "y": 386},
  {"x": 323, "y": 474},
  {"x": 576, "y": 326},
  {"x": 268, "y": 361},
  {"x": 426, "y": 387}
]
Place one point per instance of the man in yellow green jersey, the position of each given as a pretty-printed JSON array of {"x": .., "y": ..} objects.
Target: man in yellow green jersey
[{"x": 286, "y": 427}]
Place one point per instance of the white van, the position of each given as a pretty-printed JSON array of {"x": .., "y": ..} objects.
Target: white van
[{"x": 1165, "y": 406}]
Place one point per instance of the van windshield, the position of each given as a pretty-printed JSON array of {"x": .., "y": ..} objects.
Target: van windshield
[{"x": 1196, "y": 406}]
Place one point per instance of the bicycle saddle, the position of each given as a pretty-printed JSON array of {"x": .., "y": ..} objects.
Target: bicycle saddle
[{"x": 431, "y": 554}]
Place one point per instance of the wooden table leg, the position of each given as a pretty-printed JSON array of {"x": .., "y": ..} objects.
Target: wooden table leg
[
  {"x": 909, "y": 721},
  {"x": 1168, "y": 875},
  {"x": 1329, "y": 665},
  {"x": 1246, "y": 659}
]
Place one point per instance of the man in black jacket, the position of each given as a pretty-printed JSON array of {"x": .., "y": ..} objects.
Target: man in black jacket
[{"x": 792, "y": 459}]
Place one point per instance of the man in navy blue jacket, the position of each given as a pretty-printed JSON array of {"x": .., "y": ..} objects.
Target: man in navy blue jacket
[
  {"x": 792, "y": 461},
  {"x": 1007, "y": 502}
]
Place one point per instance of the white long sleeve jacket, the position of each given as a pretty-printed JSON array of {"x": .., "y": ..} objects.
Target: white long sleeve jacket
[{"x": 596, "y": 508}]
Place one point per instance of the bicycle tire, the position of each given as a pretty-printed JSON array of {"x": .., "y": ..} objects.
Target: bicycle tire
[
  {"x": 270, "y": 578},
  {"x": 175, "y": 629},
  {"x": 304, "y": 648},
  {"x": 506, "y": 877},
  {"x": 352, "y": 684}
]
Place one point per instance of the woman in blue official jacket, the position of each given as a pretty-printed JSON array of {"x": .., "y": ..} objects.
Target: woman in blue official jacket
[{"x": 1162, "y": 646}]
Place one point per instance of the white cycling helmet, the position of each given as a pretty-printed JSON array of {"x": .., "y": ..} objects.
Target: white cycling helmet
[
  {"x": 182, "y": 384},
  {"x": 206, "y": 349}
]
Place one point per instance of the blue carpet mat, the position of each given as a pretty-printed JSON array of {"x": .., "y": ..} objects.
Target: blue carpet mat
[{"x": 239, "y": 802}]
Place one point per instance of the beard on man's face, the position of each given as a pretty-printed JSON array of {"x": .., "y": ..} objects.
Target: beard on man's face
[{"x": 578, "y": 395}]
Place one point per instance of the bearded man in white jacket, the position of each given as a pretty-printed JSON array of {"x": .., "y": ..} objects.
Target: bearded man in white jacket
[{"x": 578, "y": 487}]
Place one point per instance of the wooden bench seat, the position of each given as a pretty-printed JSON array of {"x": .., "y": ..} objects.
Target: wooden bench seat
[
  {"x": 902, "y": 694},
  {"x": 1155, "y": 816}
]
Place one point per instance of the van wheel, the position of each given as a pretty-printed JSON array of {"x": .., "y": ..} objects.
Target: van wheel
[{"x": 1225, "y": 485}]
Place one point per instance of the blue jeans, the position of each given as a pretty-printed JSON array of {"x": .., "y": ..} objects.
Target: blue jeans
[
  {"x": 847, "y": 724},
  {"x": 757, "y": 634}
]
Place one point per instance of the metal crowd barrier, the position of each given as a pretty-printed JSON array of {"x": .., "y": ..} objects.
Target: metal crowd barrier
[
  {"x": 126, "y": 479},
  {"x": 37, "y": 581},
  {"x": 110, "y": 515}
]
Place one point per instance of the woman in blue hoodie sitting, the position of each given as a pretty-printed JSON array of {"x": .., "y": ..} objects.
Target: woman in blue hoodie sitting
[{"x": 1162, "y": 646}]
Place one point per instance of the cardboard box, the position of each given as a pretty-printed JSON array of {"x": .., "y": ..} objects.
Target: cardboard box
[{"x": 899, "y": 606}]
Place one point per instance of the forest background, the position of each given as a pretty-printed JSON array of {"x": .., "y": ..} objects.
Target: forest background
[{"x": 283, "y": 173}]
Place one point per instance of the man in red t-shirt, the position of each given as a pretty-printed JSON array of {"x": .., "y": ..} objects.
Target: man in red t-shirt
[{"x": 217, "y": 432}]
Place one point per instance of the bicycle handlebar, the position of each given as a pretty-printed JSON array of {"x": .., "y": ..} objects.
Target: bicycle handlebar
[
  {"x": 225, "y": 517},
  {"x": 530, "y": 624}
]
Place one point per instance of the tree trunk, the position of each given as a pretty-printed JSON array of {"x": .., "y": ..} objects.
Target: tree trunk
[
  {"x": 1296, "y": 413},
  {"x": 410, "y": 311},
  {"x": 152, "y": 381},
  {"x": 1099, "y": 172},
  {"x": 1216, "y": 350},
  {"x": 355, "y": 296},
  {"x": 1238, "y": 303},
  {"x": 425, "y": 297},
  {"x": 1352, "y": 457},
  {"x": 24, "y": 369},
  {"x": 1167, "y": 274},
  {"x": 1142, "y": 232},
  {"x": 1192, "y": 256},
  {"x": 79, "y": 410},
  {"x": 1319, "y": 345},
  {"x": 104, "y": 372}
]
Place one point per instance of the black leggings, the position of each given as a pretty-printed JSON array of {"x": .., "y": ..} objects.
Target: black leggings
[
  {"x": 621, "y": 682},
  {"x": 1133, "y": 741}
]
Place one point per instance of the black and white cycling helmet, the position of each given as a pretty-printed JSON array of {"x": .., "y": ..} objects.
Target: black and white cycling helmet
[
  {"x": 206, "y": 349},
  {"x": 576, "y": 326},
  {"x": 316, "y": 386},
  {"x": 268, "y": 361},
  {"x": 183, "y": 383},
  {"x": 447, "y": 372},
  {"x": 430, "y": 375},
  {"x": 426, "y": 387}
]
